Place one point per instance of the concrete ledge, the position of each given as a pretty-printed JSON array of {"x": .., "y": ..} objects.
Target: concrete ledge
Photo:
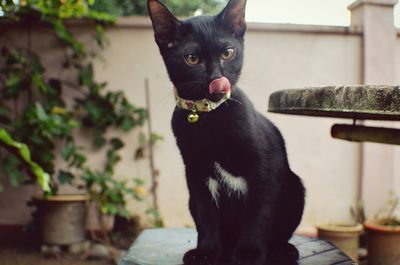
[
  {"x": 144, "y": 22},
  {"x": 358, "y": 3},
  {"x": 354, "y": 102},
  {"x": 298, "y": 28}
]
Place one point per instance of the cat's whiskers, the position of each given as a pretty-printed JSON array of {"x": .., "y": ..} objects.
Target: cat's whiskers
[
  {"x": 168, "y": 94},
  {"x": 249, "y": 77},
  {"x": 235, "y": 100},
  {"x": 248, "y": 82}
]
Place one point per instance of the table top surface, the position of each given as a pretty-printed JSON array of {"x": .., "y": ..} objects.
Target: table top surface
[
  {"x": 167, "y": 246},
  {"x": 353, "y": 102}
]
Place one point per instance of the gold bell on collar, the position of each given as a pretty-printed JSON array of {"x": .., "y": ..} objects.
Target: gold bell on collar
[{"x": 193, "y": 117}]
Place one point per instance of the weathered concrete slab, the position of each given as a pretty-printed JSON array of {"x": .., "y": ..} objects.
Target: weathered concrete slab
[
  {"x": 161, "y": 247},
  {"x": 354, "y": 102},
  {"x": 167, "y": 247}
]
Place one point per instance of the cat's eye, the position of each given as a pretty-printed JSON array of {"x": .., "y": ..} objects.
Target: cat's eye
[
  {"x": 228, "y": 54},
  {"x": 192, "y": 59}
]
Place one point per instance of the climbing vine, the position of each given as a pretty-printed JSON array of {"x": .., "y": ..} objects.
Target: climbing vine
[{"x": 36, "y": 114}]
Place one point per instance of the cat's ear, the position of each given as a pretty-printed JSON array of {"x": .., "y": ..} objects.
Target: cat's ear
[
  {"x": 233, "y": 17},
  {"x": 165, "y": 24}
]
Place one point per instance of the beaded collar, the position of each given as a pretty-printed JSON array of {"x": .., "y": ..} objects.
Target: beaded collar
[{"x": 201, "y": 105}]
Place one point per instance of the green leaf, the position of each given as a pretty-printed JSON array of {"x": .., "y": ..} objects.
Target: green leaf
[
  {"x": 155, "y": 216},
  {"x": 38, "y": 81},
  {"x": 86, "y": 75},
  {"x": 141, "y": 115},
  {"x": 139, "y": 153},
  {"x": 127, "y": 124},
  {"x": 12, "y": 167},
  {"x": 74, "y": 123},
  {"x": 95, "y": 112},
  {"x": 40, "y": 112},
  {"x": 15, "y": 57},
  {"x": 110, "y": 208},
  {"x": 78, "y": 159},
  {"x": 138, "y": 181},
  {"x": 65, "y": 177},
  {"x": 142, "y": 138},
  {"x": 100, "y": 36},
  {"x": 14, "y": 81},
  {"x": 116, "y": 143},
  {"x": 24, "y": 152},
  {"x": 42, "y": 177},
  {"x": 156, "y": 138},
  {"x": 6, "y": 138},
  {"x": 66, "y": 152},
  {"x": 98, "y": 138},
  {"x": 36, "y": 65}
]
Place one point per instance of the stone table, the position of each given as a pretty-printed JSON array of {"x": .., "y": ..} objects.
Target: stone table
[
  {"x": 352, "y": 102},
  {"x": 166, "y": 246}
]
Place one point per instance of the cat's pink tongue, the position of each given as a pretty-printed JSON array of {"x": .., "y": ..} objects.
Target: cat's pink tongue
[{"x": 220, "y": 85}]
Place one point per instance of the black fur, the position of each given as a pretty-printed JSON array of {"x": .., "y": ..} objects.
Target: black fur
[{"x": 249, "y": 230}]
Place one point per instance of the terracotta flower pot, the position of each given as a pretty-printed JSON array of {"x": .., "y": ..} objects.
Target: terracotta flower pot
[
  {"x": 343, "y": 235},
  {"x": 62, "y": 218},
  {"x": 383, "y": 244}
]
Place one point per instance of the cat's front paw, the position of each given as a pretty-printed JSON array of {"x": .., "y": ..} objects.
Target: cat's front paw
[
  {"x": 200, "y": 257},
  {"x": 249, "y": 256}
]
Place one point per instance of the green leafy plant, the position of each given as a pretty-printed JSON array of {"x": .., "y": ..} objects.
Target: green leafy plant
[
  {"x": 38, "y": 115},
  {"x": 388, "y": 215}
]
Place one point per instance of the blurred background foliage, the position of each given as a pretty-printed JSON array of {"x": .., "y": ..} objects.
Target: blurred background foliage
[
  {"x": 40, "y": 123},
  {"x": 114, "y": 7}
]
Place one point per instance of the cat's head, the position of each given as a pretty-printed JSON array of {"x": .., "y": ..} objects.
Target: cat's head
[{"x": 204, "y": 54}]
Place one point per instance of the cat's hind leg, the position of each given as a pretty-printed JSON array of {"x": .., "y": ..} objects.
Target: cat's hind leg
[{"x": 283, "y": 254}]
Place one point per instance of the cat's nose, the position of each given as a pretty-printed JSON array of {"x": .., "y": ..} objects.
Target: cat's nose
[{"x": 220, "y": 85}]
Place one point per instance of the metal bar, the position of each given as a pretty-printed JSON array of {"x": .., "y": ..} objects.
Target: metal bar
[{"x": 358, "y": 133}]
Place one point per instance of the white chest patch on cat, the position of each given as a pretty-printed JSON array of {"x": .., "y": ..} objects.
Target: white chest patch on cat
[
  {"x": 234, "y": 185},
  {"x": 213, "y": 188}
]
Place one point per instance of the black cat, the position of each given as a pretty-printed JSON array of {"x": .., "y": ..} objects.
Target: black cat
[{"x": 244, "y": 199}]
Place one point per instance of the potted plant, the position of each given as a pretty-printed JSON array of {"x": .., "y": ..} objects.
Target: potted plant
[
  {"x": 344, "y": 235},
  {"x": 36, "y": 110},
  {"x": 383, "y": 234},
  {"x": 61, "y": 218}
]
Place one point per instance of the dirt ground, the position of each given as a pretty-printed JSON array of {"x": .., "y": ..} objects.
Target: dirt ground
[{"x": 14, "y": 256}]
